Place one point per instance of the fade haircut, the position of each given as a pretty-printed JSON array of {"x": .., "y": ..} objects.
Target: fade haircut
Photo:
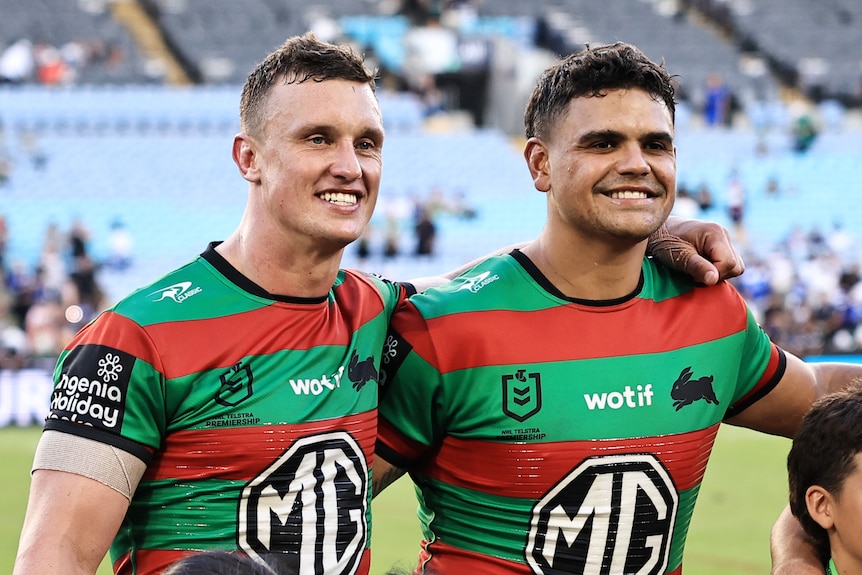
[
  {"x": 593, "y": 72},
  {"x": 823, "y": 453},
  {"x": 298, "y": 60}
]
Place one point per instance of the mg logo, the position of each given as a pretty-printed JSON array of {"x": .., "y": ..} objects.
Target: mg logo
[
  {"x": 311, "y": 505},
  {"x": 522, "y": 395},
  {"x": 611, "y": 514}
]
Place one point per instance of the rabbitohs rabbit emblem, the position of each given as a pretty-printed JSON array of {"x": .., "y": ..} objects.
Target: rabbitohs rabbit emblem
[{"x": 686, "y": 391}]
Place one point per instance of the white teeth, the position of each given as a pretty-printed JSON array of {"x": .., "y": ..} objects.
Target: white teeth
[
  {"x": 629, "y": 195},
  {"x": 339, "y": 198}
]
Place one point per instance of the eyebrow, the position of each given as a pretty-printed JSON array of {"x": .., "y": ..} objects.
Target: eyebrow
[
  {"x": 329, "y": 129},
  {"x": 617, "y": 136}
]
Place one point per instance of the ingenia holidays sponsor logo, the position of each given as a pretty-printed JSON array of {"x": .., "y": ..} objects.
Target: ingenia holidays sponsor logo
[{"x": 92, "y": 387}]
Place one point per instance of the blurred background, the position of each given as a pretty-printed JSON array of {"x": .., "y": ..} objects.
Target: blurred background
[{"x": 117, "y": 117}]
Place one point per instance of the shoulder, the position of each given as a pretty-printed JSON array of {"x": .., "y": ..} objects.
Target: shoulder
[
  {"x": 175, "y": 287},
  {"x": 478, "y": 288},
  {"x": 661, "y": 283}
]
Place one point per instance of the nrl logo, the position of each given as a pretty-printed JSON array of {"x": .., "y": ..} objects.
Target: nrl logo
[
  {"x": 522, "y": 395},
  {"x": 235, "y": 385}
]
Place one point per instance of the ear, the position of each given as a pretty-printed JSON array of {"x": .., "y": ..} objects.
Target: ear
[
  {"x": 536, "y": 154},
  {"x": 244, "y": 154},
  {"x": 820, "y": 506}
]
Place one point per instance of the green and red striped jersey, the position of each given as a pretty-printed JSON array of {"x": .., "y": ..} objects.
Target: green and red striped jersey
[
  {"x": 256, "y": 414},
  {"x": 547, "y": 435}
]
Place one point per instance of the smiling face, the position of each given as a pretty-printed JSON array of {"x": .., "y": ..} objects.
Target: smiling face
[
  {"x": 316, "y": 164},
  {"x": 608, "y": 165}
]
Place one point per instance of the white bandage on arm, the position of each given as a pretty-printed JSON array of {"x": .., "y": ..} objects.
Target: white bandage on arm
[{"x": 118, "y": 469}]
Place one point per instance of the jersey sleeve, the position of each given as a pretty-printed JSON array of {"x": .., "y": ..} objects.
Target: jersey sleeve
[
  {"x": 410, "y": 414},
  {"x": 762, "y": 366},
  {"x": 108, "y": 387}
]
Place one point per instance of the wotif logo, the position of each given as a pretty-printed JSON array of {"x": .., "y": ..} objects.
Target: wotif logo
[
  {"x": 178, "y": 292},
  {"x": 474, "y": 284},
  {"x": 316, "y": 386},
  {"x": 641, "y": 396}
]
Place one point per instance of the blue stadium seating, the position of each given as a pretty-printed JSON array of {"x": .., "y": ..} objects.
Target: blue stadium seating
[{"x": 173, "y": 183}]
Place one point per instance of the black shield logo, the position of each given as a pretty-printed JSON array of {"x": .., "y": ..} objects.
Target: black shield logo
[
  {"x": 522, "y": 395},
  {"x": 235, "y": 385}
]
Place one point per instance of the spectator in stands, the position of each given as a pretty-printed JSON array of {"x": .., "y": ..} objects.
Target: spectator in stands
[
  {"x": 50, "y": 67},
  {"x": 425, "y": 231},
  {"x": 13, "y": 339},
  {"x": 52, "y": 261},
  {"x": 46, "y": 328},
  {"x": 716, "y": 109},
  {"x": 804, "y": 133},
  {"x": 262, "y": 348},
  {"x": 703, "y": 195},
  {"x": 16, "y": 62},
  {"x": 79, "y": 239}
]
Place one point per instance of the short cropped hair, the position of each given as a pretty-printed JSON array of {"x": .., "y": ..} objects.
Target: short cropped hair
[
  {"x": 592, "y": 72},
  {"x": 299, "y": 59},
  {"x": 228, "y": 563},
  {"x": 823, "y": 452}
]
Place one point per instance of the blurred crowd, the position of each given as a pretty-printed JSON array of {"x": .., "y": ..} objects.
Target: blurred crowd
[
  {"x": 42, "y": 305},
  {"x": 28, "y": 61},
  {"x": 806, "y": 292}
]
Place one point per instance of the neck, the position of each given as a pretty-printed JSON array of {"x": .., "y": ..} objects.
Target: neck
[
  {"x": 281, "y": 269},
  {"x": 844, "y": 561},
  {"x": 588, "y": 270}
]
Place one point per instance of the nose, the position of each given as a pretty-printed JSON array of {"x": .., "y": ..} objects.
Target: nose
[
  {"x": 345, "y": 162},
  {"x": 632, "y": 160}
]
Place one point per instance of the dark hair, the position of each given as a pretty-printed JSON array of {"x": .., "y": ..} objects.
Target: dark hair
[
  {"x": 299, "y": 59},
  {"x": 226, "y": 563},
  {"x": 823, "y": 452},
  {"x": 593, "y": 72}
]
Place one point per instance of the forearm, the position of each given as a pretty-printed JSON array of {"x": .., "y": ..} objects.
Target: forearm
[
  {"x": 383, "y": 475},
  {"x": 52, "y": 557},
  {"x": 69, "y": 525},
  {"x": 793, "y": 552}
]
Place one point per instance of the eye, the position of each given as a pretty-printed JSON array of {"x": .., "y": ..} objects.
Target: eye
[
  {"x": 317, "y": 140},
  {"x": 658, "y": 145},
  {"x": 366, "y": 145}
]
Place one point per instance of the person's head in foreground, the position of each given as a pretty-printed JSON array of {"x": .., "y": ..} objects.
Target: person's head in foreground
[
  {"x": 225, "y": 563},
  {"x": 825, "y": 477}
]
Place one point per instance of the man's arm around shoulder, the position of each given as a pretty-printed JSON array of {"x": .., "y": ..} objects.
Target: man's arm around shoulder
[{"x": 793, "y": 552}]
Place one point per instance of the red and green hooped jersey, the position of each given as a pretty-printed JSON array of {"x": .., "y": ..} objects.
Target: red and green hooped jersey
[
  {"x": 548, "y": 435},
  {"x": 256, "y": 415}
]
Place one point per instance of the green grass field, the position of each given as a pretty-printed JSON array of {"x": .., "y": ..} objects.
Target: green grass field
[{"x": 744, "y": 490}]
